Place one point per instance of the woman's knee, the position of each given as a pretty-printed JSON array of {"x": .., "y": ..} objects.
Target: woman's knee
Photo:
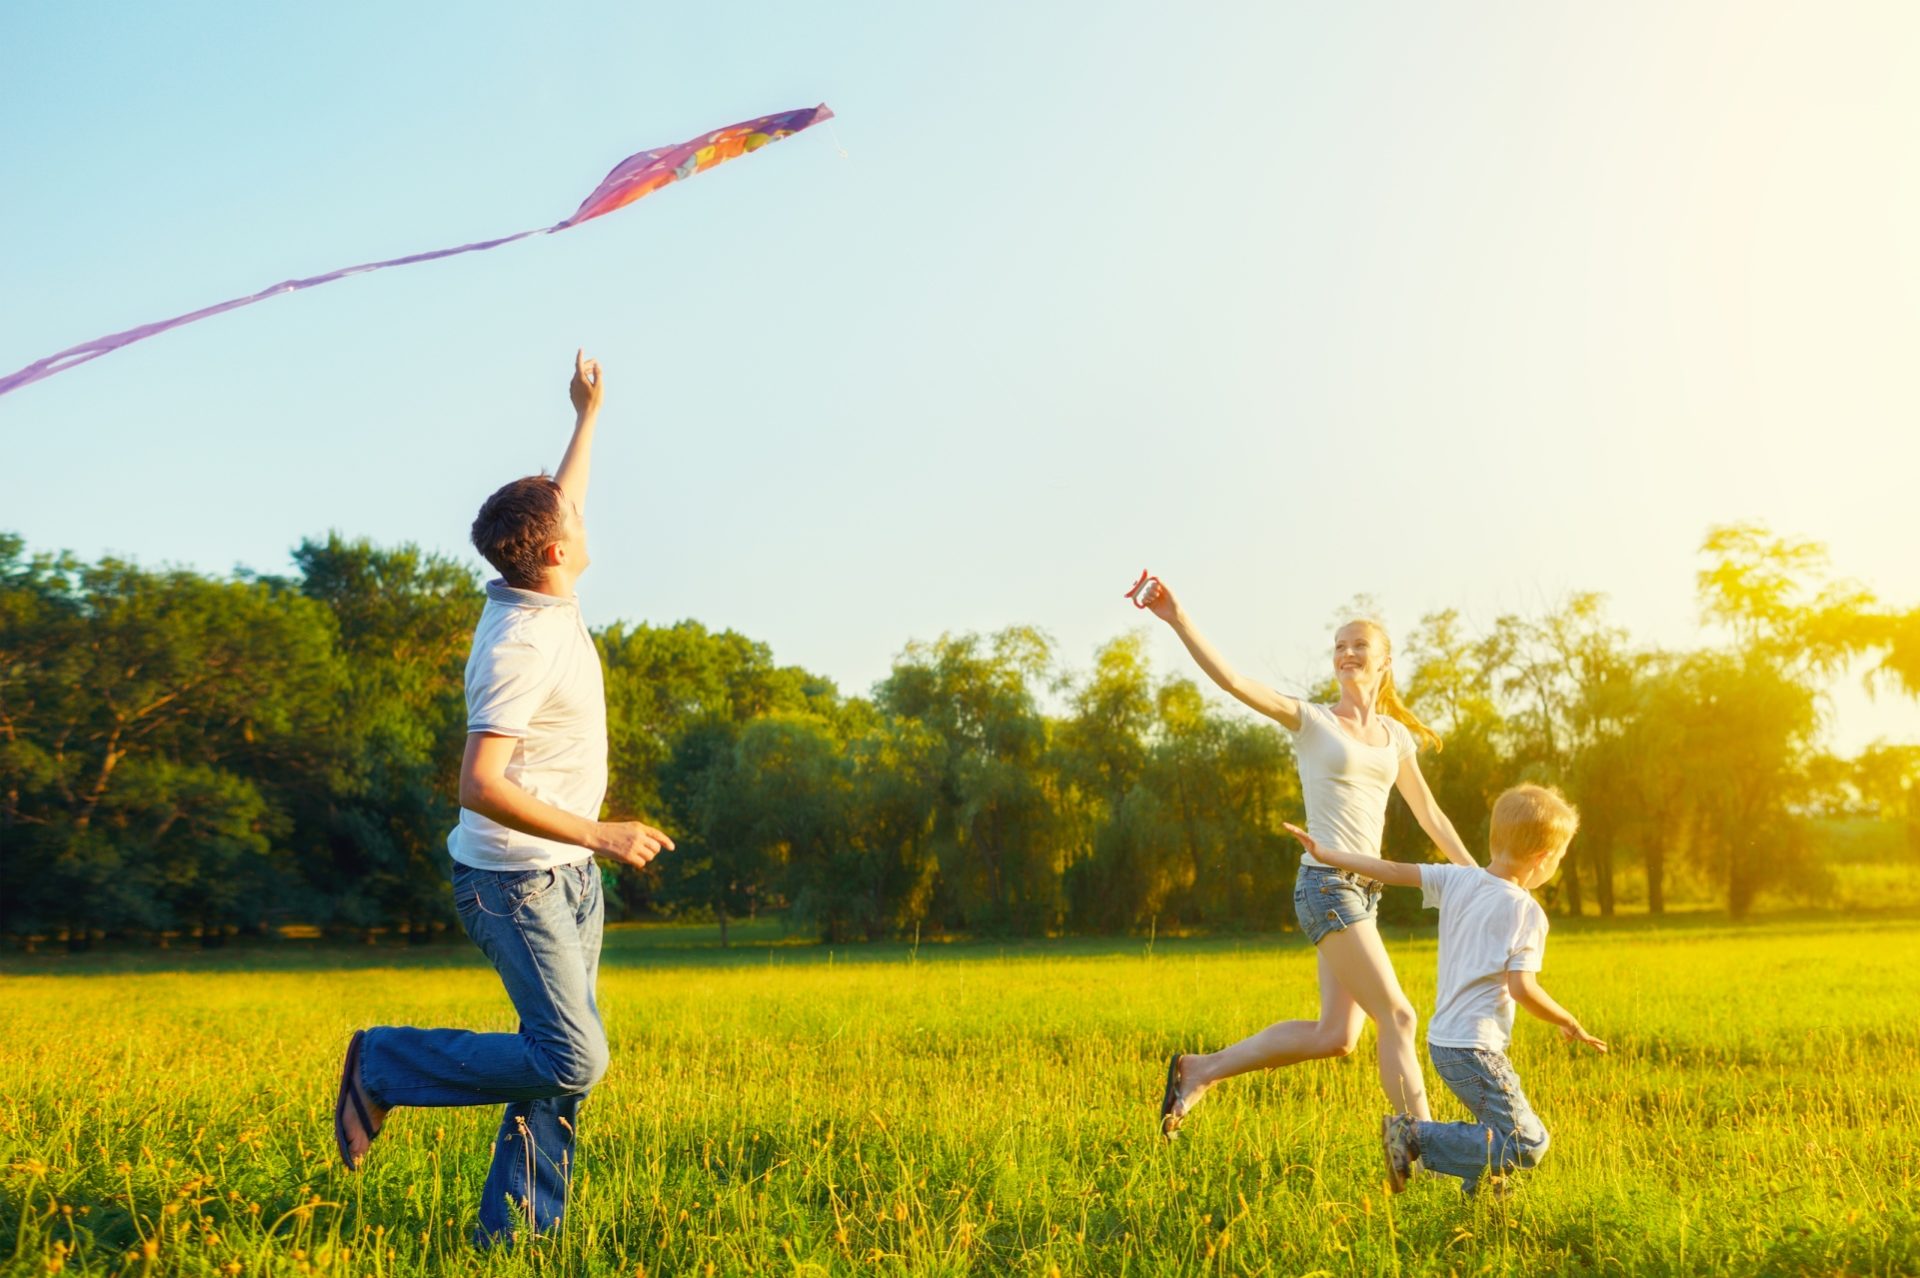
[{"x": 1401, "y": 1021}]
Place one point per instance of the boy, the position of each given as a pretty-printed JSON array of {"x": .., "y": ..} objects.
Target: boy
[
  {"x": 1493, "y": 936},
  {"x": 525, "y": 884}
]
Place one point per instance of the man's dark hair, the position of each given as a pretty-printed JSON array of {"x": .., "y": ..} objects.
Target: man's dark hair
[{"x": 517, "y": 524}]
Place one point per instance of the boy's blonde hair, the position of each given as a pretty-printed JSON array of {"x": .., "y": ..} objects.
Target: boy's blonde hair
[{"x": 1529, "y": 820}]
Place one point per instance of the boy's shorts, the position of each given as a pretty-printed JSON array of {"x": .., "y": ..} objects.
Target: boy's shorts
[{"x": 1329, "y": 900}]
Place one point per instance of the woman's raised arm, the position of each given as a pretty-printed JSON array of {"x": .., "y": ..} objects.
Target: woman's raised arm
[{"x": 1275, "y": 705}]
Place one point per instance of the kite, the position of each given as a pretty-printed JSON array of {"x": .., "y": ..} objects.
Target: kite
[
  {"x": 1140, "y": 589},
  {"x": 636, "y": 176}
]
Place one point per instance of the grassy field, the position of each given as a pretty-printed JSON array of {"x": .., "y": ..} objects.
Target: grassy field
[{"x": 966, "y": 1109}]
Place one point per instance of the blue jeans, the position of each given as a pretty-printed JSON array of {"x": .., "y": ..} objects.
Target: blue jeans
[
  {"x": 1508, "y": 1134},
  {"x": 541, "y": 931},
  {"x": 1329, "y": 900}
]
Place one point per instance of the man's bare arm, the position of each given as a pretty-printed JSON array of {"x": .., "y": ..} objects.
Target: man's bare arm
[
  {"x": 485, "y": 788},
  {"x": 588, "y": 386}
]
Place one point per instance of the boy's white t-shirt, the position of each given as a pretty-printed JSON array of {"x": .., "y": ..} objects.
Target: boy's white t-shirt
[
  {"x": 1488, "y": 927},
  {"x": 534, "y": 674},
  {"x": 1345, "y": 782}
]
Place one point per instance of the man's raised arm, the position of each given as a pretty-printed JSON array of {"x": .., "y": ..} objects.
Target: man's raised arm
[{"x": 588, "y": 385}]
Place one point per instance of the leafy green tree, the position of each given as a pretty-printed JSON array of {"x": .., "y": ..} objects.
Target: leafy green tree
[
  {"x": 1887, "y": 777},
  {"x": 888, "y": 864},
  {"x": 1567, "y": 678},
  {"x": 1001, "y": 844},
  {"x": 791, "y": 795},
  {"x": 374, "y": 820},
  {"x": 1452, "y": 684},
  {"x": 1757, "y": 708},
  {"x": 140, "y": 707},
  {"x": 677, "y": 699},
  {"x": 1098, "y": 753}
]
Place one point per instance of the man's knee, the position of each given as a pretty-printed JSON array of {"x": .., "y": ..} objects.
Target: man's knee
[
  {"x": 1530, "y": 1146},
  {"x": 577, "y": 1066},
  {"x": 587, "y": 1064}
]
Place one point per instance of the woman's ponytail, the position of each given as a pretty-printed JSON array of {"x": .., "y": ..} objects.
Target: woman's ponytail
[
  {"x": 1387, "y": 699},
  {"x": 1388, "y": 702}
]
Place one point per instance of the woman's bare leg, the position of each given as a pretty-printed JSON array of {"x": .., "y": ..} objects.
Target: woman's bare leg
[
  {"x": 1360, "y": 962},
  {"x": 1356, "y": 982},
  {"x": 1336, "y": 1033}
]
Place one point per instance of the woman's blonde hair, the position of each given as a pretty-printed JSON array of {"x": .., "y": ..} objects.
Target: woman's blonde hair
[{"x": 1386, "y": 699}]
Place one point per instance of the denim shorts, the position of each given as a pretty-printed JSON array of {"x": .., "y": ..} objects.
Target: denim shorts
[{"x": 1328, "y": 900}]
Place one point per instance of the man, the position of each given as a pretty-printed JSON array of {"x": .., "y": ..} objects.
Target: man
[{"x": 525, "y": 884}]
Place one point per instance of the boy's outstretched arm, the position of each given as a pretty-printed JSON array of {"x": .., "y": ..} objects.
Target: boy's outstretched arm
[
  {"x": 1396, "y": 872},
  {"x": 586, "y": 389},
  {"x": 1526, "y": 991}
]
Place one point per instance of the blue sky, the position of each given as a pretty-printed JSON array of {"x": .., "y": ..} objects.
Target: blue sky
[{"x": 1463, "y": 307}]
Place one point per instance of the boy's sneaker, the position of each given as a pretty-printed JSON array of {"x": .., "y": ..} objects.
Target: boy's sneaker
[{"x": 1401, "y": 1145}]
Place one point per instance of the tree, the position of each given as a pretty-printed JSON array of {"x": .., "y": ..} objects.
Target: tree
[
  {"x": 1569, "y": 678},
  {"x": 138, "y": 707},
  {"x": 1757, "y": 707},
  {"x": 1887, "y": 778},
  {"x": 1000, "y": 841},
  {"x": 677, "y": 699},
  {"x": 1097, "y": 755},
  {"x": 373, "y": 824}
]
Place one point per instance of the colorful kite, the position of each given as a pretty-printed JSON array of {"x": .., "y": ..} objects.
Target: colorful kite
[{"x": 632, "y": 178}]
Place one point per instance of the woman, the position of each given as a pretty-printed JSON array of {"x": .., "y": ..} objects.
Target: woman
[{"x": 1349, "y": 754}]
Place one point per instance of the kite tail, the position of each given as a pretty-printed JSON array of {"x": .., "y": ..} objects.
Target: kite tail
[
  {"x": 634, "y": 177},
  {"x": 74, "y": 356}
]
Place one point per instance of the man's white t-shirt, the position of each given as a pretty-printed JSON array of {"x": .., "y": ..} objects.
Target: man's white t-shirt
[
  {"x": 534, "y": 674},
  {"x": 1488, "y": 927},
  {"x": 1345, "y": 782}
]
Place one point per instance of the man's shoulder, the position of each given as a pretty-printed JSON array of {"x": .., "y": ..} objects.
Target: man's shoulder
[{"x": 505, "y": 632}]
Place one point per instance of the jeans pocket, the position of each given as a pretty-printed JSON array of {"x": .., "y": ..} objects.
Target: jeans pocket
[
  {"x": 504, "y": 893},
  {"x": 1464, "y": 1079}
]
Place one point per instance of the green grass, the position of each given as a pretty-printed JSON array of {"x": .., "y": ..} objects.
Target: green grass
[{"x": 971, "y": 1109}]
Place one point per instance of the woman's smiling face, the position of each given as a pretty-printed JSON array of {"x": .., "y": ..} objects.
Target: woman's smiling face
[{"x": 1359, "y": 654}]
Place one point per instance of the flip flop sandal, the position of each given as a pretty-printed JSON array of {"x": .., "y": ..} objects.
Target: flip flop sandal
[
  {"x": 350, "y": 1095},
  {"x": 1169, "y": 1120}
]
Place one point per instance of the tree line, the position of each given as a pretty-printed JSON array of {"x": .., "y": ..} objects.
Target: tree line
[{"x": 181, "y": 752}]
